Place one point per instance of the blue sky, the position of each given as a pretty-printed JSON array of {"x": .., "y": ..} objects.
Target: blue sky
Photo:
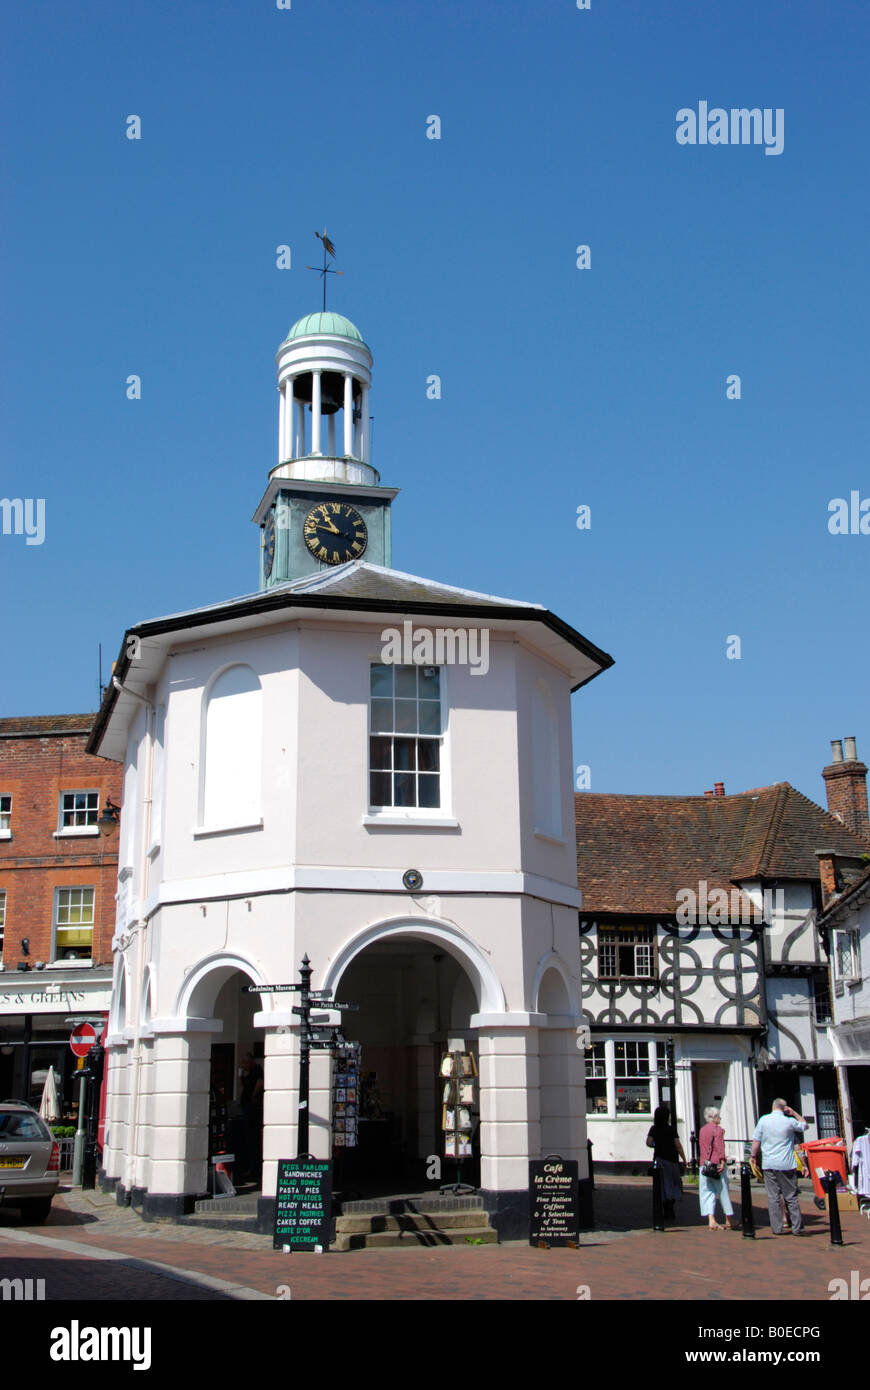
[{"x": 561, "y": 387}]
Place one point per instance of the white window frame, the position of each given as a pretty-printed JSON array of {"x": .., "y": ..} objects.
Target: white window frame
[
  {"x": 654, "y": 1080},
  {"x": 415, "y": 815},
  {"x": 616, "y": 938},
  {"x": 72, "y": 830},
  {"x": 854, "y": 944},
  {"x": 55, "y": 925},
  {"x": 6, "y": 830}
]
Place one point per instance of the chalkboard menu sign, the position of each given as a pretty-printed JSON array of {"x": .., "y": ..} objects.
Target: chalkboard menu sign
[
  {"x": 303, "y": 1210},
  {"x": 554, "y": 1208}
]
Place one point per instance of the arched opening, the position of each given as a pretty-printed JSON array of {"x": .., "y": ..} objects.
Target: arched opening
[
  {"x": 415, "y": 1003},
  {"x": 216, "y": 990}
]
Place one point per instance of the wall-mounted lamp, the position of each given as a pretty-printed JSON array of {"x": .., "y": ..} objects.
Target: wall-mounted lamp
[{"x": 110, "y": 818}]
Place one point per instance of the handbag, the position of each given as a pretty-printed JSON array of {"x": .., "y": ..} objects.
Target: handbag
[{"x": 708, "y": 1169}]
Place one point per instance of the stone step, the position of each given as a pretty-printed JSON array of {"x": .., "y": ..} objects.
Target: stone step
[
  {"x": 411, "y": 1239},
  {"x": 236, "y": 1205},
  {"x": 221, "y": 1221},
  {"x": 430, "y": 1202},
  {"x": 359, "y": 1223}
]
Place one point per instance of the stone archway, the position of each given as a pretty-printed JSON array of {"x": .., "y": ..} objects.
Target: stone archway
[{"x": 415, "y": 999}]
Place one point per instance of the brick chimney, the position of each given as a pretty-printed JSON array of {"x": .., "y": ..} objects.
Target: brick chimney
[{"x": 846, "y": 787}]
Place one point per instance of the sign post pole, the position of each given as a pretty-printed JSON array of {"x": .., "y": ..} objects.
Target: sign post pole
[
  {"x": 305, "y": 973},
  {"x": 82, "y": 1039},
  {"x": 79, "y": 1144}
]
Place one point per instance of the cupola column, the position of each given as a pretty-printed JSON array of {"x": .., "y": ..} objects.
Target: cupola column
[
  {"x": 288, "y": 419},
  {"x": 364, "y": 427},
  {"x": 315, "y": 413},
  {"x": 282, "y": 424},
  {"x": 348, "y": 415},
  {"x": 300, "y": 429}
]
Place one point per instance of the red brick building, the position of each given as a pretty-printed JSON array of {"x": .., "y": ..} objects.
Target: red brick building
[{"x": 58, "y": 878}]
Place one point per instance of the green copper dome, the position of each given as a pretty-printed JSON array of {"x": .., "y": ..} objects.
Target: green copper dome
[{"x": 328, "y": 322}]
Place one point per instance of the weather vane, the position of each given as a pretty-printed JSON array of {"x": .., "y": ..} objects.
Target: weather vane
[{"x": 324, "y": 270}]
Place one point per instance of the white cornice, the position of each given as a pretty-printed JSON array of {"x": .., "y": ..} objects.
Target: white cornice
[{"x": 316, "y": 879}]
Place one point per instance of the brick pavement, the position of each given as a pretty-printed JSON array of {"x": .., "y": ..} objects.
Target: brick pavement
[{"x": 686, "y": 1262}]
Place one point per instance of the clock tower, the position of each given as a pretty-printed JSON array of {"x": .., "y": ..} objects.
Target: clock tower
[{"x": 324, "y": 504}]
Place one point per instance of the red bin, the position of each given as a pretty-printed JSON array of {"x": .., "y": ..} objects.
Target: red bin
[{"x": 825, "y": 1156}]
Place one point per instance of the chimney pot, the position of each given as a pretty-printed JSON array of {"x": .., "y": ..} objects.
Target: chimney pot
[
  {"x": 709, "y": 793},
  {"x": 850, "y": 752},
  {"x": 719, "y": 788},
  {"x": 836, "y": 750}
]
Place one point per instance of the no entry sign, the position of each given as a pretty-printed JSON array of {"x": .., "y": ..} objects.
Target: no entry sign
[{"x": 82, "y": 1039}]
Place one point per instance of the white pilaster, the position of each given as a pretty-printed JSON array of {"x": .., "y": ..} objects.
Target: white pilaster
[
  {"x": 348, "y": 415},
  {"x": 300, "y": 429},
  {"x": 510, "y": 1125},
  {"x": 179, "y": 1135},
  {"x": 282, "y": 424}
]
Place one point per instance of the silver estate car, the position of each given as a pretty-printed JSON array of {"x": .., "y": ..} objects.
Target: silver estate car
[{"x": 29, "y": 1161}]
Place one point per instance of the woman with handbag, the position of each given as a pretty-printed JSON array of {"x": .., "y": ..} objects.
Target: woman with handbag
[
  {"x": 668, "y": 1152},
  {"x": 713, "y": 1180}
]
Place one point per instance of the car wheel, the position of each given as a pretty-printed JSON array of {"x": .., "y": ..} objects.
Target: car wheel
[{"x": 35, "y": 1210}]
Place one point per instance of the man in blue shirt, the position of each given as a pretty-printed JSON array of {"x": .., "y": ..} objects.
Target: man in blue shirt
[{"x": 774, "y": 1139}]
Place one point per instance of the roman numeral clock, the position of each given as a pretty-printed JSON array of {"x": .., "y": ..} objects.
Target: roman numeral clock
[{"x": 324, "y": 505}]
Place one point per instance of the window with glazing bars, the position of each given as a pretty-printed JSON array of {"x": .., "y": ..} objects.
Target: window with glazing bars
[
  {"x": 626, "y": 953},
  {"x": 405, "y": 737}
]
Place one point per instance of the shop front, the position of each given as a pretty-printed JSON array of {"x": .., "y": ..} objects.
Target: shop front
[{"x": 37, "y": 1016}]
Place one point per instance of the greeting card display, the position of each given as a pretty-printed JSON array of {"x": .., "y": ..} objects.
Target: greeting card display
[
  {"x": 345, "y": 1093},
  {"x": 458, "y": 1096}
]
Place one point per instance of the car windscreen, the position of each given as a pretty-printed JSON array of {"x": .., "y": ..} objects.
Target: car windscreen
[{"x": 17, "y": 1125}]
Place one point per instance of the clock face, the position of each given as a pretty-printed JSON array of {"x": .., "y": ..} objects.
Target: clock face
[
  {"x": 269, "y": 544},
  {"x": 335, "y": 533}
]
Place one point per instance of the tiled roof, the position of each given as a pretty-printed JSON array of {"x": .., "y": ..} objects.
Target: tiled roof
[
  {"x": 634, "y": 853},
  {"x": 45, "y": 724}
]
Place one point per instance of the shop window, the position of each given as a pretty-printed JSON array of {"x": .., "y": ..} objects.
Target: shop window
[
  {"x": 405, "y": 736},
  {"x": 626, "y": 953},
  {"x": 73, "y": 923},
  {"x": 78, "y": 813},
  {"x": 5, "y": 816},
  {"x": 596, "y": 1079}
]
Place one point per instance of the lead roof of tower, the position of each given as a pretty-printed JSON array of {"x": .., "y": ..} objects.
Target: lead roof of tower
[{"x": 329, "y": 323}]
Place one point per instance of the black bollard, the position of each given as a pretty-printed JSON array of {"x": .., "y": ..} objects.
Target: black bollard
[
  {"x": 658, "y": 1205},
  {"x": 831, "y": 1180},
  {"x": 746, "y": 1201},
  {"x": 694, "y": 1150}
]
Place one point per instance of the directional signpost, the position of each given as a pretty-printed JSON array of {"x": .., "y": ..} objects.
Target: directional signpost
[{"x": 293, "y": 1180}]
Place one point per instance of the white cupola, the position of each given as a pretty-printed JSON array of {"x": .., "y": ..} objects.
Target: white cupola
[{"x": 324, "y": 378}]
